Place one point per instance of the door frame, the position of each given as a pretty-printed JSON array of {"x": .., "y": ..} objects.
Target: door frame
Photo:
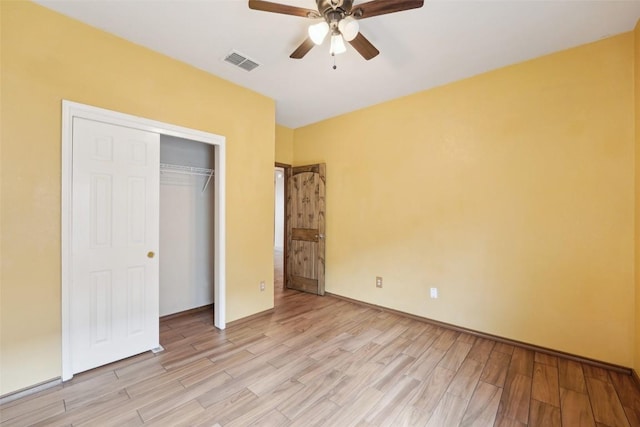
[
  {"x": 285, "y": 255},
  {"x": 73, "y": 109}
]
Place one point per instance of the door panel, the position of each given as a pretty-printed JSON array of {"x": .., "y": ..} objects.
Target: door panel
[
  {"x": 306, "y": 229},
  {"x": 115, "y": 214}
]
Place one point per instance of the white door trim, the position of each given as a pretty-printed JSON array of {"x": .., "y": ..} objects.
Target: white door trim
[{"x": 73, "y": 109}]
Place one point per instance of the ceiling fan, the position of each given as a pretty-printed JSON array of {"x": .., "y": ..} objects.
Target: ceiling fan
[{"x": 340, "y": 18}]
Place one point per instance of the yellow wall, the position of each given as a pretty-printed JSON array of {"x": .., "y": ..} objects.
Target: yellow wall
[
  {"x": 284, "y": 145},
  {"x": 512, "y": 192},
  {"x": 637, "y": 192},
  {"x": 46, "y": 58}
]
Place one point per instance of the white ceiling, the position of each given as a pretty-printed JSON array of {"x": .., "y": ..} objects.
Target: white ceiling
[{"x": 444, "y": 41}]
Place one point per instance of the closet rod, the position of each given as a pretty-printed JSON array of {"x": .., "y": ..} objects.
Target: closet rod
[{"x": 188, "y": 170}]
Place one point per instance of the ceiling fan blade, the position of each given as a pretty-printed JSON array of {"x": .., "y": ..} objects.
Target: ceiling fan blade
[
  {"x": 303, "y": 49},
  {"x": 364, "y": 47},
  {"x": 285, "y": 9},
  {"x": 382, "y": 7}
]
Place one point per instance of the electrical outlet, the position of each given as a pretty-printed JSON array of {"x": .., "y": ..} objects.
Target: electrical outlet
[
  {"x": 434, "y": 293},
  {"x": 378, "y": 282},
  {"x": 262, "y": 287}
]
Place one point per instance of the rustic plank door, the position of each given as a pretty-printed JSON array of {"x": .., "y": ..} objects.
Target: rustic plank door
[{"x": 306, "y": 228}]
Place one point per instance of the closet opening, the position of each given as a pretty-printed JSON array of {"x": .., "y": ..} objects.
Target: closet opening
[{"x": 187, "y": 213}]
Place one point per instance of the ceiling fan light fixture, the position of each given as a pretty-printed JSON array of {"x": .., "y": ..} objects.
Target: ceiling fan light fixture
[
  {"x": 349, "y": 28},
  {"x": 337, "y": 45},
  {"x": 317, "y": 32}
]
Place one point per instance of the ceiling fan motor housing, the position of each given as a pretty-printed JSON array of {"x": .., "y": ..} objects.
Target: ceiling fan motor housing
[{"x": 334, "y": 9}]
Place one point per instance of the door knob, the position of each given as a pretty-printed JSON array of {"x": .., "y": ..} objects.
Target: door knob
[{"x": 150, "y": 254}]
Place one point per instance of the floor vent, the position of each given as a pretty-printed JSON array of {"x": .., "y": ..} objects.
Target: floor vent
[{"x": 240, "y": 60}]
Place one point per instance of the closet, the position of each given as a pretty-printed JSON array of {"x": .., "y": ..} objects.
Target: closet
[{"x": 186, "y": 225}]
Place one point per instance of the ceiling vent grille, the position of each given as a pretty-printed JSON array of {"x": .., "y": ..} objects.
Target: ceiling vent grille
[{"x": 240, "y": 60}]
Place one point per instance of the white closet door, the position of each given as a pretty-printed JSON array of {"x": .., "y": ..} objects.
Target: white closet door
[{"x": 114, "y": 294}]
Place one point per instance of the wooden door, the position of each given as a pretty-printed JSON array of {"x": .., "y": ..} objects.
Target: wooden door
[
  {"x": 114, "y": 290},
  {"x": 306, "y": 229}
]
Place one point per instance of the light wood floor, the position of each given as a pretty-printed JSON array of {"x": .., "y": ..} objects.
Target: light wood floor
[{"x": 327, "y": 362}]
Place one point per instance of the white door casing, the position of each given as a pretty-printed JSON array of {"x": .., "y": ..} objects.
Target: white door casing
[
  {"x": 115, "y": 216},
  {"x": 72, "y": 111}
]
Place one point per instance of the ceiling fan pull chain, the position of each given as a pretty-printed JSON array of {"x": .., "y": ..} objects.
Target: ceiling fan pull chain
[{"x": 334, "y": 62}]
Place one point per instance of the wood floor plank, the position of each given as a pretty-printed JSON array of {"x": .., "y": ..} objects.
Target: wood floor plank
[
  {"x": 502, "y": 421},
  {"x": 483, "y": 406},
  {"x": 426, "y": 363},
  {"x": 144, "y": 385},
  {"x": 545, "y": 384},
  {"x": 225, "y": 409},
  {"x": 84, "y": 392},
  {"x": 38, "y": 414},
  {"x": 445, "y": 340},
  {"x": 449, "y": 411},
  {"x": 633, "y": 415},
  {"x": 456, "y": 354},
  {"x": 391, "y": 404},
  {"x": 391, "y": 350},
  {"x": 356, "y": 342},
  {"x": 124, "y": 411},
  {"x": 182, "y": 396},
  {"x": 350, "y": 385},
  {"x": 420, "y": 344},
  {"x": 515, "y": 399},
  {"x": 391, "y": 373},
  {"x": 272, "y": 418},
  {"x": 466, "y": 338},
  {"x": 357, "y": 410},
  {"x": 410, "y": 416},
  {"x": 228, "y": 389},
  {"x": 522, "y": 362},
  {"x": 352, "y": 364},
  {"x": 82, "y": 414},
  {"x": 432, "y": 389},
  {"x": 504, "y": 348},
  {"x": 570, "y": 376},
  {"x": 317, "y": 415},
  {"x": 390, "y": 334},
  {"x": 313, "y": 392},
  {"x": 576, "y": 409},
  {"x": 255, "y": 410},
  {"x": 542, "y": 414},
  {"x": 596, "y": 372},
  {"x": 496, "y": 368},
  {"x": 269, "y": 382},
  {"x": 546, "y": 359},
  {"x": 322, "y": 368},
  {"x": 627, "y": 389},
  {"x": 32, "y": 402},
  {"x": 175, "y": 416},
  {"x": 607, "y": 408},
  {"x": 481, "y": 350},
  {"x": 465, "y": 380}
]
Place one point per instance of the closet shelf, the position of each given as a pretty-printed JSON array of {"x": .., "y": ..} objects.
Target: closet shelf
[{"x": 188, "y": 170}]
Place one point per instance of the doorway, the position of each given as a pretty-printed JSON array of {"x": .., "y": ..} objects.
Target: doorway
[
  {"x": 281, "y": 190},
  {"x": 71, "y": 111}
]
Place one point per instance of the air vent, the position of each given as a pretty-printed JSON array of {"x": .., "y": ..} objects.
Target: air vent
[{"x": 240, "y": 60}]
